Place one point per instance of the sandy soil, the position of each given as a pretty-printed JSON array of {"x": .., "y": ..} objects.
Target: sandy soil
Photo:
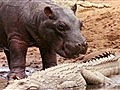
[
  {"x": 101, "y": 29},
  {"x": 102, "y": 26}
]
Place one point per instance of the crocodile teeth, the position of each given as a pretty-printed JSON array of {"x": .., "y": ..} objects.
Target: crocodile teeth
[
  {"x": 96, "y": 61},
  {"x": 109, "y": 57},
  {"x": 105, "y": 59},
  {"x": 90, "y": 62},
  {"x": 100, "y": 60},
  {"x": 87, "y": 63},
  {"x": 112, "y": 56},
  {"x": 107, "y": 53},
  {"x": 104, "y": 54},
  {"x": 97, "y": 57},
  {"x": 101, "y": 56}
]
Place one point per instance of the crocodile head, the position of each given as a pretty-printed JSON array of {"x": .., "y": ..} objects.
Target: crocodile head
[
  {"x": 100, "y": 57},
  {"x": 101, "y": 63}
]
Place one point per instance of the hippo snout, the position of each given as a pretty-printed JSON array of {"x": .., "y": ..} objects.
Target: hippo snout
[
  {"x": 82, "y": 46},
  {"x": 72, "y": 50}
]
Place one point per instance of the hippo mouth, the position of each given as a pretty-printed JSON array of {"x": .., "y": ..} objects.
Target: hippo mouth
[{"x": 69, "y": 51}]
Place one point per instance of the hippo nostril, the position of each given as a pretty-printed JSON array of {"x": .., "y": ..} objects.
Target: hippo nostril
[
  {"x": 81, "y": 44},
  {"x": 84, "y": 44},
  {"x": 78, "y": 45}
]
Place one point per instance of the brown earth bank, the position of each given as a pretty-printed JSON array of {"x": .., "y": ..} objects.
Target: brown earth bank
[{"x": 101, "y": 30}]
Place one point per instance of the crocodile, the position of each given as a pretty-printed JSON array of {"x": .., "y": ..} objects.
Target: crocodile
[
  {"x": 81, "y": 3},
  {"x": 94, "y": 69}
]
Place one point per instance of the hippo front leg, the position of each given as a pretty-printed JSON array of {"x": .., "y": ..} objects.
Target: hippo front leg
[
  {"x": 7, "y": 53},
  {"x": 48, "y": 57},
  {"x": 17, "y": 58}
]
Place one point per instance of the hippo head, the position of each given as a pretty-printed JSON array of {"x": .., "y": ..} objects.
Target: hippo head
[{"x": 62, "y": 32}]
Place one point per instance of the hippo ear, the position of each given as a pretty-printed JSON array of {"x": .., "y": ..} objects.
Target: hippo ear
[
  {"x": 74, "y": 8},
  {"x": 49, "y": 13}
]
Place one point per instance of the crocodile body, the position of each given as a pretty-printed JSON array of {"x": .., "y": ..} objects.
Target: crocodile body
[
  {"x": 81, "y": 3},
  {"x": 94, "y": 69}
]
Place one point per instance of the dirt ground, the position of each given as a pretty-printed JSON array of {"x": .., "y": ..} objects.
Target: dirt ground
[{"x": 101, "y": 30}]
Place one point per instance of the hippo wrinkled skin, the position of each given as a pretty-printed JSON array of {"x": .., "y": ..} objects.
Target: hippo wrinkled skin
[{"x": 26, "y": 23}]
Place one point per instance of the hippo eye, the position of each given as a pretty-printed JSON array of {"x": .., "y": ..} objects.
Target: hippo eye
[
  {"x": 81, "y": 24},
  {"x": 61, "y": 26}
]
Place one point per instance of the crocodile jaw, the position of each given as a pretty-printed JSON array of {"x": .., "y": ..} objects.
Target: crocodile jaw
[{"x": 105, "y": 62}]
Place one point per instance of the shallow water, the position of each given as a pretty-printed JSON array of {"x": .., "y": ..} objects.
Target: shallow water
[
  {"x": 115, "y": 86},
  {"x": 5, "y": 70},
  {"x": 116, "y": 79}
]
